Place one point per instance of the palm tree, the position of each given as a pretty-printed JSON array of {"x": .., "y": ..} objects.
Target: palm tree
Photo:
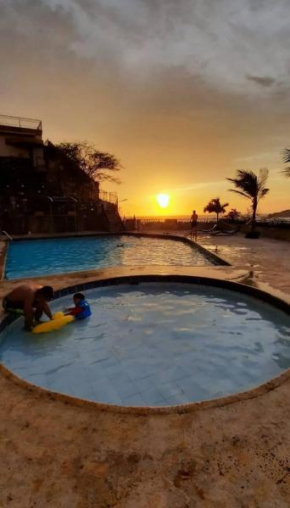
[
  {"x": 215, "y": 206},
  {"x": 287, "y": 160},
  {"x": 251, "y": 187}
]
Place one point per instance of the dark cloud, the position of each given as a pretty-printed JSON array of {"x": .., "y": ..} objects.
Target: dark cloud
[
  {"x": 227, "y": 44},
  {"x": 163, "y": 84},
  {"x": 262, "y": 81}
]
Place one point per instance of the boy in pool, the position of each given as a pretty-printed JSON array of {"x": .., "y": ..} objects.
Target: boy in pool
[{"x": 81, "y": 310}]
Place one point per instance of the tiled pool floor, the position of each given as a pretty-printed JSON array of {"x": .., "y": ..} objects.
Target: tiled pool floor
[{"x": 155, "y": 344}]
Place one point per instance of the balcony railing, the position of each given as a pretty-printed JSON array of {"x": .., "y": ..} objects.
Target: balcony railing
[
  {"x": 22, "y": 123},
  {"x": 111, "y": 197}
]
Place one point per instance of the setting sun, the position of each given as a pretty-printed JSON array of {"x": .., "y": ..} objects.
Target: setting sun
[{"x": 162, "y": 200}]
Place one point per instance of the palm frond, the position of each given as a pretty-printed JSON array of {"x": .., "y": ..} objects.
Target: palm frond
[
  {"x": 215, "y": 206},
  {"x": 264, "y": 192},
  {"x": 251, "y": 186},
  {"x": 240, "y": 192},
  {"x": 246, "y": 181},
  {"x": 286, "y": 172},
  {"x": 287, "y": 155},
  {"x": 263, "y": 176}
]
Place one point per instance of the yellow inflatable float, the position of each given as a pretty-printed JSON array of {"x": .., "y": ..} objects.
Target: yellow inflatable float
[{"x": 59, "y": 320}]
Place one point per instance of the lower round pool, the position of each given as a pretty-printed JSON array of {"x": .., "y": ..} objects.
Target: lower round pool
[{"x": 155, "y": 344}]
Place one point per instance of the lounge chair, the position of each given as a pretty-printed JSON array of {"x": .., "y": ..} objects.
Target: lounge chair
[{"x": 216, "y": 230}]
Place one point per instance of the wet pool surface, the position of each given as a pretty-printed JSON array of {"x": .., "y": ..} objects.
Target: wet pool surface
[
  {"x": 62, "y": 255},
  {"x": 155, "y": 344}
]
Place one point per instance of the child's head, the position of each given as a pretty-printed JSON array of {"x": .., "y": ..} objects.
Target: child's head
[{"x": 78, "y": 297}]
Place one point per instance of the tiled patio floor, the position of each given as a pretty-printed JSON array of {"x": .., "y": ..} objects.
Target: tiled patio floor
[{"x": 269, "y": 260}]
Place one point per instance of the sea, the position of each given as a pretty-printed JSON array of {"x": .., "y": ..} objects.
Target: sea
[{"x": 204, "y": 218}]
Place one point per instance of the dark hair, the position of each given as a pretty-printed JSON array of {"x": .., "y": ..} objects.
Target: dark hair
[
  {"x": 79, "y": 296},
  {"x": 46, "y": 292}
]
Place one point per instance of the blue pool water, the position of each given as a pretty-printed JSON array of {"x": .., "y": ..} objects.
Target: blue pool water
[
  {"x": 155, "y": 344},
  {"x": 62, "y": 255}
]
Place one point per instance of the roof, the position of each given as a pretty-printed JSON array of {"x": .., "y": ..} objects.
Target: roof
[{"x": 16, "y": 122}]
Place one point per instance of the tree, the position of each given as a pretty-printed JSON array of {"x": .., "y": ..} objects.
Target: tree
[
  {"x": 215, "y": 206},
  {"x": 252, "y": 187},
  {"x": 233, "y": 215},
  {"x": 94, "y": 163},
  {"x": 287, "y": 160}
]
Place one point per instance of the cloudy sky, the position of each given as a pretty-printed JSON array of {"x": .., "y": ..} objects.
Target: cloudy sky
[{"x": 183, "y": 92}]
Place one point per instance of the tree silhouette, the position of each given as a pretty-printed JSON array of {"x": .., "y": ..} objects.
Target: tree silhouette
[
  {"x": 252, "y": 187},
  {"x": 215, "y": 206},
  {"x": 233, "y": 214},
  {"x": 97, "y": 165},
  {"x": 287, "y": 160}
]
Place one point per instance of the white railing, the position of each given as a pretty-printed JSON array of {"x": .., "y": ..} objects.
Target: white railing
[
  {"x": 22, "y": 123},
  {"x": 7, "y": 234},
  {"x": 111, "y": 197}
]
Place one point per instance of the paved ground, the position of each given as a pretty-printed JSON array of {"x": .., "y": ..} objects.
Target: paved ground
[
  {"x": 55, "y": 453},
  {"x": 269, "y": 260}
]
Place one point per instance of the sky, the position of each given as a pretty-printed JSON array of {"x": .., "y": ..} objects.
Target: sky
[{"x": 183, "y": 92}]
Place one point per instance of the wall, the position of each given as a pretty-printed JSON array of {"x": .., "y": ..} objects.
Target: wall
[
  {"x": 63, "y": 181},
  {"x": 11, "y": 151},
  {"x": 276, "y": 233}
]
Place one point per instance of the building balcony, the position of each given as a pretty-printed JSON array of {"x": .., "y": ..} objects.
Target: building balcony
[
  {"x": 21, "y": 131},
  {"x": 16, "y": 122}
]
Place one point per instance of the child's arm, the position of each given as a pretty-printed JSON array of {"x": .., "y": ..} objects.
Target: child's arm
[{"x": 74, "y": 311}]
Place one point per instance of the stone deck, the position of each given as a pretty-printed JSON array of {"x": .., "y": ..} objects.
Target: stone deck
[
  {"x": 268, "y": 260},
  {"x": 64, "y": 454}
]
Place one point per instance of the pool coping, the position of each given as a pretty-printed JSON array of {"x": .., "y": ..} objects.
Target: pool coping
[
  {"x": 217, "y": 260},
  {"x": 189, "y": 407}
]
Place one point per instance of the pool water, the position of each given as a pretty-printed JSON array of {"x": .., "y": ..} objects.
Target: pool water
[
  {"x": 155, "y": 344},
  {"x": 46, "y": 257}
]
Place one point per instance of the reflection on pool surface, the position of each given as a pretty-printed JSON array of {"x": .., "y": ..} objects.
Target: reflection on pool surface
[
  {"x": 155, "y": 344},
  {"x": 62, "y": 255}
]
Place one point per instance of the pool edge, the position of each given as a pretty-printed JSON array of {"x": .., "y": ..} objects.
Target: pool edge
[
  {"x": 217, "y": 260},
  {"x": 190, "y": 407},
  {"x": 257, "y": 391}
]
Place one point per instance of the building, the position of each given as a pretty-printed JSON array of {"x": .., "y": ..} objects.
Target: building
[
  {"x": 41, "y": 191},
  {"x": 21, "y": 138}
]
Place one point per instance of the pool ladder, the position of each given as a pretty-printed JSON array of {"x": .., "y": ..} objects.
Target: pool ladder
[{"x": 7, "y": 234}]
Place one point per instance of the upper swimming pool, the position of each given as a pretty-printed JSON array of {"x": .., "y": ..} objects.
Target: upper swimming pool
[{"x": 53, "y": 256}]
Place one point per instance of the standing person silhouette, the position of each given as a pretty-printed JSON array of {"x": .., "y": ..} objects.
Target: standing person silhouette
[{"x": 193, "y": 225}]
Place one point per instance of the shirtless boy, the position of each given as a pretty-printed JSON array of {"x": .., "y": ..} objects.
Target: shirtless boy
[{"x": 30, "y": 300}]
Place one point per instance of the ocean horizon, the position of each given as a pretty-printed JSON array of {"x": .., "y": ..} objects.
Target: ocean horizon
[{"x": 206, "y": 217}]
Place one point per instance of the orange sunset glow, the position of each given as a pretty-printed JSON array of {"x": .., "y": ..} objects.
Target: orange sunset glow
[{"x": 182, "y": 110}]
